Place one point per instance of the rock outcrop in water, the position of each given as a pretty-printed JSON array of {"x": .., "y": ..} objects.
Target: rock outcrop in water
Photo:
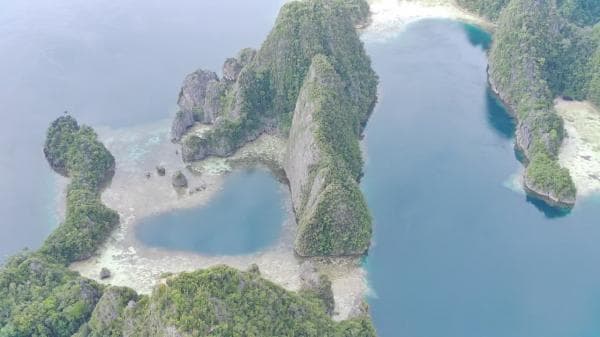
[
  {"x": 310, "y": 79},
  {"x": 179, "y": 180}
]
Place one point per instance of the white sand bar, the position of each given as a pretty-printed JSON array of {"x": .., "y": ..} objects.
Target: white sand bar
[{"x": 580, "y": 152}]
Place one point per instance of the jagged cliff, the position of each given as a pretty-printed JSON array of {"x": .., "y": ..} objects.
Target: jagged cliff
[
  {"x": 312, "y": 57},
  {"x": 323, "y": 164},
  {"x": 520, "y": 59}
]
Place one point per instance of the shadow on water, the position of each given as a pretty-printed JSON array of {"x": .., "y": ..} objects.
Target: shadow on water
[
  {"x": 477, "y": 36},
  {"x": 551, "y": 212},
  {"x": 498, "y": 117}
]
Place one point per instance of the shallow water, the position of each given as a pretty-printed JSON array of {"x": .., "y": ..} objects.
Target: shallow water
[
  {"x": 113, "y": 63},
  {"x": 244, "y": 217},
  {"x": 456, "y": 253}
]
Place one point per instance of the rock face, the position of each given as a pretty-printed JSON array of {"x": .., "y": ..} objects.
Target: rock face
[
  {"x": 193, "y": 91},
  {"x": 192, "y": 97},
  {"x": 549, "y": 195},
  {"x": 179, "y": 180},
  {"x": 203, "y": 97},
  {"x": 291, "y": 85},
  {"x": 332, "y": 214},
  {"x": 182, "y": 122},
  {"x": 231, "y": 69},
  {"x": 104, "y": 273}
]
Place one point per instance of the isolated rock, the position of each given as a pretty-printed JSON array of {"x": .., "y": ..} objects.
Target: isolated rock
[
  {"x": 193, "y": 90},
  {"x": 191, "y": 101},
  {"x": 254, "y": 269},
  {"x": 160, "y": 170},
  {"x": 104, "y": 273},
  {"x": 179, "y": 179}
]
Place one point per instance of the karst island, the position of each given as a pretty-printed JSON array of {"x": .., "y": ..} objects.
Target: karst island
[{"x": 329, "y": 168}]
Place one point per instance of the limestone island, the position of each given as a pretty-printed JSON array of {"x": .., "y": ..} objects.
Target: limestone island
[{"x": 311, "y": 89}]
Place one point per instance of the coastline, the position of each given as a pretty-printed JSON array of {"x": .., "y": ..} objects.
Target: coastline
[
  {"x": 526, "y": 186},
  {"x": 134, "y": 196},
  {"x": 390, "y": 17}
]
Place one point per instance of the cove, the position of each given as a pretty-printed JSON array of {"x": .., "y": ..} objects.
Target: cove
[
  {"x": 119, "y": 64},
  {"x": 244, "y": 217},
  {"x": 456, "y": 252}
]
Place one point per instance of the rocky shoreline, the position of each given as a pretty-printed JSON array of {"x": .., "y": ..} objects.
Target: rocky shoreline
[
  {"x": 523, "y": 138},
  {"x": 134, "y": 196}
]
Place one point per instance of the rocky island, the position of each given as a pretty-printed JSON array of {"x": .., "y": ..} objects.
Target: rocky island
[
  {"x": 541, "y": 52},
  {"x": 312, "y": 85},
  {"x": 311, "y": 82},
  {"x": 320, "y": 95}
]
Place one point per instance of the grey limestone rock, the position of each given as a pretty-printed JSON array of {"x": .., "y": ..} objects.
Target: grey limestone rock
[{"x": 179, "y": 180}]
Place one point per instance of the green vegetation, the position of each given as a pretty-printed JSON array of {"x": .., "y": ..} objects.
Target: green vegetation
[
  {"x": 40, "y": 297},
  {"x": 594, "y": 66},
  {"x": 321, "y": 33},
  {"x": 75, "y": 151},
  {"x": 219, "y": 301},
  {"x": 487, "y": 8},
  {"x": 269, "y": 85},
  {"x": 536, "y": 56},
  {"x": 581, "y": 12},
  {"x": 338, "y": 222},
  {"x": 545, "y": 174},
  {"x": 543, "y": 49}
]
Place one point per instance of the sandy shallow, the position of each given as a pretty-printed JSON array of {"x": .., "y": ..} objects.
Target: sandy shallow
[
  {"x": 390, "y": 17},
  {"x": 580, "y": 151},
  {"x": 134, "y": 196}
]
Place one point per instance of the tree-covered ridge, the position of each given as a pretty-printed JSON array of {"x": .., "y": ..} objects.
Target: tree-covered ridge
[
  {"x": 268, "y": 87},
  {"x": 76, "y": 152},
  {"x": 219, "y": 301},
  {"x": 536, "y": 56},
  {"x": 489, "y": 9},
  {"x": 580, "y": 12},
  {"x": 543, "y": 49},
  {"x": 333, "y": 216},
  {"x": 39, "y": 298}
]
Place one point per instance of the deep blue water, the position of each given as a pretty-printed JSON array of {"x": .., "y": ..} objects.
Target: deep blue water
[
  {"x": 456, "y": 253},
  {"x": 245, "y": 216}
]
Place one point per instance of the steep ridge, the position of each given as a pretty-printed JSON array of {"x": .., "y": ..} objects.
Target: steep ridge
[{"x": 266, "y": 97}]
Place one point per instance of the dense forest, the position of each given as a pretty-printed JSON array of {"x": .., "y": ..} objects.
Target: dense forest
[
  {"x": 543, "y": 49},
  {"x": 40, "y": 297},
  {"x": 75, "y": 151}
]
